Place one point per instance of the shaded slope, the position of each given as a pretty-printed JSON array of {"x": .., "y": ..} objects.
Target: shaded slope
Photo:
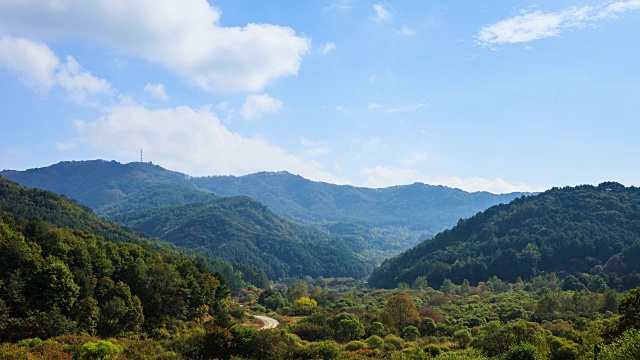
[
  {"x": 417, "y": 206},
  {"x": 242, "y": 230},
  {"x": 68, "y": 280},
  {"x": 103, "y": 184},
  {"x": 583, "y": 229},
  {"x": 26, "y": 204}
]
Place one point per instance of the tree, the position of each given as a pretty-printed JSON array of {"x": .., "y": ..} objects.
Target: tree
[
  {"x": 400, "y": 312},
  {"x": 629, "y": 310},
  {"x": 297, "y": 290},
  {"x": 347, "y": 327}
]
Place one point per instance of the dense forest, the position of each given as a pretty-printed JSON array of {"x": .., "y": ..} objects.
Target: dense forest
[
  {"x": 25, "y": 204},
  {"x": 60, "y": 280},
  {"x": 586, "y": 232},
  {"x": 75, "y": 286},
  {"x": 242, "y": 230},
  {"x": 395, "y": 218}
]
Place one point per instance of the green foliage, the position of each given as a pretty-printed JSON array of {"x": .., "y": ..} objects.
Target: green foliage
[
  {"x": 629, "y": 309},
  {"x": 100, "y": 350},
  {"x": 627, "y": 347},
  {"x": 522, "y": 351},
  {"x": 380, "y": 222},
  {"x": 347, "y": 327},
  {"x": 495, "y": 338},
  {"x": 583, "y": 229},
  {"x": 58, "y": 281},
  {"x": 374, "y": 342},
  {"x": 410, "y": 333},
  {"x": 463, "y": 337},
  {"x": 355, "y": 345},
  {"x": 241, "y": 230}
]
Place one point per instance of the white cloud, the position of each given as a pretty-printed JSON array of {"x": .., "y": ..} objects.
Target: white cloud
[
  {"x": 257, "y": 106},
  {"x": 182, "y": 35},
  {"x": 536, "y": 25},
  {"x": 339, "y": 5},
  {"x": 79, "y": 83},
  {"x": 315, "y": 148},
  {"x": 382, "y": 13},
  {"x": 416, "y": 157},
  {"x": 327, "y": 48},
  {"x": 65, "y": 145},
  {"x": 374, "y": 106},
  {"x": 407, "y": 31},
  {"x": 40, "y": 69},
  {"x": 33, "y": 61},
  {"x": 498, "y": 186},
  {"x": 192, "y": 141},
  {"x": 157, "y": 91},
  {"x": 383, "y": 176}
]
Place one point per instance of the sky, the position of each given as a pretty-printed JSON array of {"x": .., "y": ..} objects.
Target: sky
[{"x": 498, "y": 96}]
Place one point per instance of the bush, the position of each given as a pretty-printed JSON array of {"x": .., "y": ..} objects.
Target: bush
[
  {"x": 410, "y": 333},
  {"x": 99, "y": 350},
  {"x": 522, "y": 351},
  {"x": 432, "y": 350},
  {"x": 355, "y": 345},
  {"x": 396, "y": 341},
  {"x": 374, "y": 342}
]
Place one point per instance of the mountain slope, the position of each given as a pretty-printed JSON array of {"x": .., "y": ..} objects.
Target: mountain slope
[
  {"x": 59, "y": 276},
  {"x": 25, "y": 204},
  {"x": 417, "y": 206},
  {"x": 104, "y": 185},
  {"x": 242, "y": 230},
  {"x": 583, "y": 229}
]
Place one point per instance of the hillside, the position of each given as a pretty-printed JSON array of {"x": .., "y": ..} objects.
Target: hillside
[
  {"x": 24, "y": 204},
  {"x": 416, "y": 207},
  {"x": 241, "y": 230},
  {"x": 394, "y": 218},
  {"x": 60, "y": 276},
  {"x": 97, "y": 183},
  {"x": 573, "y": 230}
]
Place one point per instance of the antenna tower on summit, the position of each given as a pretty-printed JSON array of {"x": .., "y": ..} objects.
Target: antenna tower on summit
[{"x": 140, "y": 155}]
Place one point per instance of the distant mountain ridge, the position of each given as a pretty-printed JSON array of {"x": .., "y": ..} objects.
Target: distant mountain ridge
[
  {"x": 241, "y": 230},
  {"x": 106, "y": 187},
  {"x": 573, "y": 231}
]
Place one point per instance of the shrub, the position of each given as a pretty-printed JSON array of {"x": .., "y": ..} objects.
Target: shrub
[
  {"x": 355, "y": 345},
  {"x": 374, "y": 342}
]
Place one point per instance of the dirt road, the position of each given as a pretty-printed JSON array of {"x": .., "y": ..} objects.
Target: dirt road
[{"x": 269, "y": 323}]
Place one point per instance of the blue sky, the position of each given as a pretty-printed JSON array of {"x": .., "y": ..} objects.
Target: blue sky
[{"x": 492, "y": 95}]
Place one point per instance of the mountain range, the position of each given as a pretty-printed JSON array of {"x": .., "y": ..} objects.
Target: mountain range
[
  {"x": 385, "y": 220},
  {"x": 591, "y": 231}
]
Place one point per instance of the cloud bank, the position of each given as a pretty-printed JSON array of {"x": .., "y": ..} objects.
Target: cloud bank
[
  {"x": 536, "y": 25},
  {"x": 185, "y": 36},
  {"x": 192, "y": 141},
  {"x": 40, "y": 69}
]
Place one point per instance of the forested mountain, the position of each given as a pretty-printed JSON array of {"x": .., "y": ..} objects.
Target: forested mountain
[
  {"x": 26, "y": 204},
  {"x": 416, "y": 207},
  {"x": 100, "y": 184},
  {"x": 569, "y": 231},
  {"x": 60, "y": 276},
  {"x": 388, "y": 220},
  {"x": 241, "y": 230}
]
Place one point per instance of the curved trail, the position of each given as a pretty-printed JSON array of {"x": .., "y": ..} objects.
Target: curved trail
[{"x": 269, "y": 323}]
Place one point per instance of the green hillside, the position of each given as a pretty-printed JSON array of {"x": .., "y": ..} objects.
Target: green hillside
[
  {"x": 393, "y": 218},
  {"x": 415, "y": 207},
  {"x": 60, "y": 276},
  {"x": 241, "y": 230},
  {"x": 569, "y": 231}
]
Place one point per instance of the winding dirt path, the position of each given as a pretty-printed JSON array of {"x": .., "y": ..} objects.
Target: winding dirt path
[{"x": 269, "y": 323}]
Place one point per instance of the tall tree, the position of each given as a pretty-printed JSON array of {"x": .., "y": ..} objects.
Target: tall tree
[{"x": 400, "y": 312}]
